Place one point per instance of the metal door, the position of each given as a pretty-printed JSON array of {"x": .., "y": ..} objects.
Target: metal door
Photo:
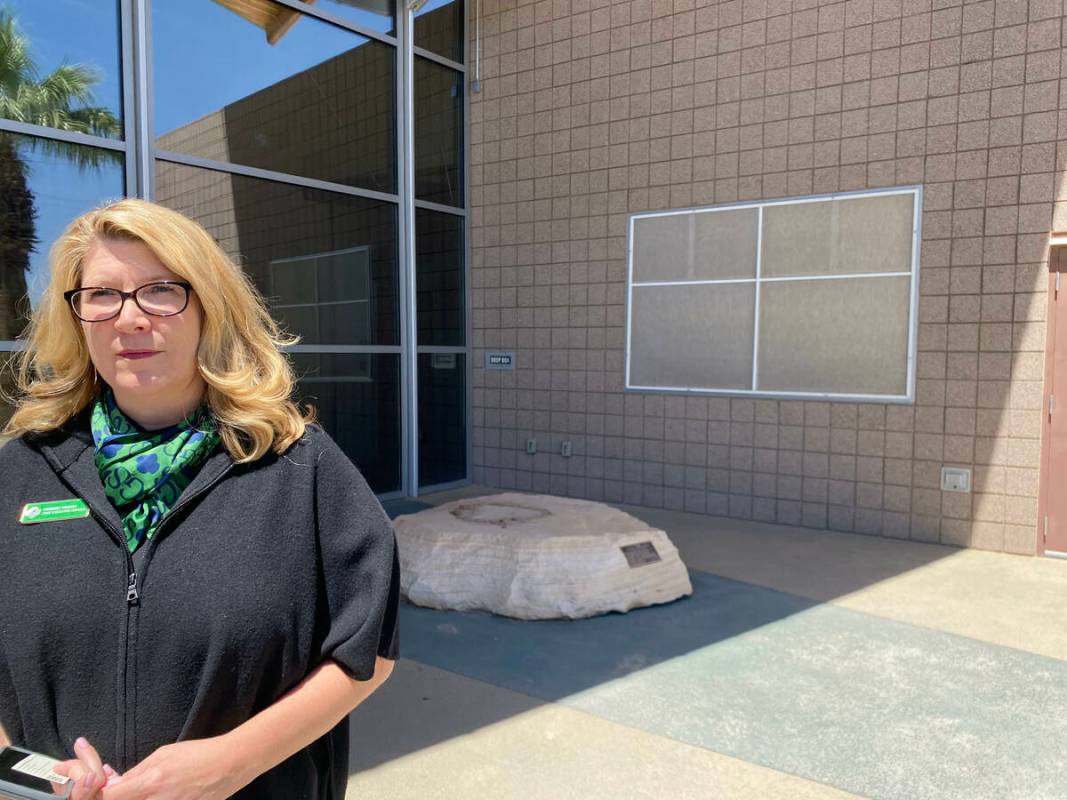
[{"x": 1052, "y": 521}]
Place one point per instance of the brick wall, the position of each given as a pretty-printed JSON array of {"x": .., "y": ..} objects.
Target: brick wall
[{"x": 591, "y": 111}]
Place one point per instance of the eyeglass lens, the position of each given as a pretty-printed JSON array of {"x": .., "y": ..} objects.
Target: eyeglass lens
[{"x": 160, "y": 299}]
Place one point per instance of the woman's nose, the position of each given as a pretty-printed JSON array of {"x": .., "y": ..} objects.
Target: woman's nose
[{"x": 131, "y": 317}]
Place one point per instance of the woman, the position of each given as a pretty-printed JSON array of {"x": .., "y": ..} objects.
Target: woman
[{"x": 218, "y": 588}]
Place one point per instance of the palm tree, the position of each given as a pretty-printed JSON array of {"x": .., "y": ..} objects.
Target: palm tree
[{"x": 62, "y": 99}]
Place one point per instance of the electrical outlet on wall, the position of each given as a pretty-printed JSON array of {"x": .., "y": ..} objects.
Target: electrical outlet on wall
[
  {"x": 565, "y": 449},
  {"x": 531, "y": 446},
  {"x": 955, "y": 479}
]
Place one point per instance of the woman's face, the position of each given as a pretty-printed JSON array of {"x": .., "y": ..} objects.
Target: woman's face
[{"x": 147, "y": 360}]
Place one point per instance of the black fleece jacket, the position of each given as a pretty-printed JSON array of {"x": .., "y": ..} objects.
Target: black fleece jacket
[{"x": 259, "y": 573}]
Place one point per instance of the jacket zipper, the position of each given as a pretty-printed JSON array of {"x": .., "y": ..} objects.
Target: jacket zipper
[
  {"x": 132, "y": 599},
  {"x": 131, "y": 589},
  {"x": 133, "y": 596}
]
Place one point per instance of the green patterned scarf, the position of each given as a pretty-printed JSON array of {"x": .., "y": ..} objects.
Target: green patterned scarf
[{"x": 144, "y": 472}]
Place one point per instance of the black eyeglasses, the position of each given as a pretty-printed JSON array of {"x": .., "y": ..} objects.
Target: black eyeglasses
[{"x": 100, "y": 303}]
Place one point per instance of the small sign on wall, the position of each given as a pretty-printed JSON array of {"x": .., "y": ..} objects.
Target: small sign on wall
[
  {"x": 499, "y": 360},
  {"x": 443, "y": 361}
]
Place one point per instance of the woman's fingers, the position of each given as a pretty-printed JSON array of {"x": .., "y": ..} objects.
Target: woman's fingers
[
  {"x": 87, "y": 773},
  {"x": 93, "y": 776},
  {"x": 112, "y": 776},
  {"x": 73, "y": 770},
  {"x": 87, "y": 754},
  {"x": 87, "y": 787},
  {"x": 64, "y": 767}
]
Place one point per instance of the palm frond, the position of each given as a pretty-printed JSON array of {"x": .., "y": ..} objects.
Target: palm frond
[
  {"x": 63, "y": 99},
  {"x": 85, "y": 158},
  {"x": 70, "y": 82},
  {"x": 98, "y": 121},
  {"x": 16, "y": 64}
]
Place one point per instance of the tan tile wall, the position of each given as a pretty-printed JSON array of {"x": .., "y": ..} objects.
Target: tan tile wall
[{"x": 593, "y": 110}]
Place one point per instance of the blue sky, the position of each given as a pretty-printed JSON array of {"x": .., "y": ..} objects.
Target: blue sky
[{"x": 205, "y": 60}]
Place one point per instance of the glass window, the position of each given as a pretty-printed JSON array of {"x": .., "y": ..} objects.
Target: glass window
[
  {"x": 692, "y": 336},
  {"x": 442, "y": 418},
  {"x": 378, "y": 15},
  {"x": 837, "y": 237},
  {"x": 858, "y": 346},
  {"x": 357, "y": 397},
  {"x": 318, "y": 101},
  {"x": 438, "y": 133},
  {"x": 325, "y": 261},
  {"x": 812, "y": 296},
  {"x": 439, "y": 28},
  {"x": 44, "y": 184},
  {"x": 707, "y": 245},
  {"x": 69, "y": 76},
  {"x": 439, "y": 277}
]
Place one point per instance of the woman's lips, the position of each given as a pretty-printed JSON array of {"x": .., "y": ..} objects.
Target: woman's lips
[{"x": 137, "y": 354}]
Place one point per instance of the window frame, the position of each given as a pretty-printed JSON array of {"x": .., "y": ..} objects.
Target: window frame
[
  {"x": 913, "y": 310},
  {"x": 143, "y": 157}
]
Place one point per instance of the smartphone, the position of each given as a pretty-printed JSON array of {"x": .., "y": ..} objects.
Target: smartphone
[{"x": 23, "y": 776}]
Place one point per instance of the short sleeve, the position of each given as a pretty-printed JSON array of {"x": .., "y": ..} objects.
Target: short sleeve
[{"x": 360, "y": 568}]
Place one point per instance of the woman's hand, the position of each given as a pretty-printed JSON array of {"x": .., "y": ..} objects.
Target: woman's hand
[
  {"x": 199, "y": 769},
  {"x": 87, "y": 772},
  {"x": 216, "y": 768}
]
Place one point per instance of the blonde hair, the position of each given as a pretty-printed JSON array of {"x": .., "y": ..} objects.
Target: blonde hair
[{"x": 249, "y": 381}]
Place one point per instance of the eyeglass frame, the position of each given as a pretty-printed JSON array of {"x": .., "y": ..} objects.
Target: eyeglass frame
[{"x": 124, "y": 296}]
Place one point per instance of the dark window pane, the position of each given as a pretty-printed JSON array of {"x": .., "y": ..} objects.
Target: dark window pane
[
  {"x": 442, "y": 418},
  {"x": 71, "y": 77},
  {"x": 439, "y": 277},
  {"x": 44, "y": 184},
  {"x": 325, "y": 261},
  {"x": 357, "y": 396},
  {"x": 378, "y": 15},
  {"x": 439, "y": 28},
  {"x": 438, "y": 133},
  {"x": 318, "y": 102}
]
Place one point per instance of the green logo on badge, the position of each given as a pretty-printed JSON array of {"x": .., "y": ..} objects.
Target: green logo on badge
[{"x": 53, "y": 511}]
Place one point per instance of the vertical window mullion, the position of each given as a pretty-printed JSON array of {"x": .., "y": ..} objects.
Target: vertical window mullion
[
  {"x": 629, "y": 300},
  {"x": 144, "y": 168},
  {"x": 408, "y": 313},
  {"x": 128, "y": 49},
  {"x": 913, "y": 322},
  {"x": 755, "y": 316}
]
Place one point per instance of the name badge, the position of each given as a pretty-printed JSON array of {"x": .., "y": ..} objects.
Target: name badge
[{"x": 53, "y": 511}]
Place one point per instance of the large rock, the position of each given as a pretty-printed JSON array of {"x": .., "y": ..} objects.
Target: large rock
[{"x": 536, "y": 557}]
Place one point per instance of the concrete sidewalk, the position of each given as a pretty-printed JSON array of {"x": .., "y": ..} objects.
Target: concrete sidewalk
[{"x": 807, "y": 664}]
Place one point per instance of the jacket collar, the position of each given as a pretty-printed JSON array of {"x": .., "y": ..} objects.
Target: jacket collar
[{"x": 70, "y": 451}]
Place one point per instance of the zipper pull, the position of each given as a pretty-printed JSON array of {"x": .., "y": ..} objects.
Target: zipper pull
[{"x": 131, "y": 590}]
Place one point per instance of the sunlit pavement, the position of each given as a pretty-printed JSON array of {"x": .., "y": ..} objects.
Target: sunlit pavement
[{"x": 806, "y": 664}]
